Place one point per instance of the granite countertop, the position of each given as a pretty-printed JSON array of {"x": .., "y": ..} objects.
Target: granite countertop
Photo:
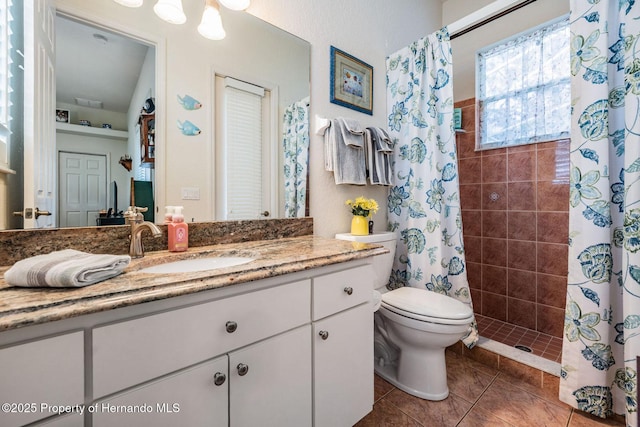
[{"x": 21, "y": 307}]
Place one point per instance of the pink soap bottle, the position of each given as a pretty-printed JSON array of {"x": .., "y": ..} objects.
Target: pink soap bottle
[{"x": 178, "y": 232}]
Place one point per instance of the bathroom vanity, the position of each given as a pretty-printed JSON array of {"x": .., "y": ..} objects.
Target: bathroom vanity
[{"x": 284, "y": 340}]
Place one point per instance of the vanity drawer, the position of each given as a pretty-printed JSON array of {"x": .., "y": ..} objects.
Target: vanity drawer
[
  {"x": 338, "y": 291},
  {"x": 38, "y": 375},
  {"x": 138, "y": 350}
]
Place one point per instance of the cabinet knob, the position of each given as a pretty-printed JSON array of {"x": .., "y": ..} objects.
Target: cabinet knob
[
  {"x": 324, "y": 334},
  {"x": 242, "y": 369},
  {"x": 348, "y": 290},
  {"x": 231, "y": 326},
  {"x": 219, "y": 378}
]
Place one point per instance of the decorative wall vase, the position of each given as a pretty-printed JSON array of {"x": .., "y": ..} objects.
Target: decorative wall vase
[{"x": 359, "y": 226}]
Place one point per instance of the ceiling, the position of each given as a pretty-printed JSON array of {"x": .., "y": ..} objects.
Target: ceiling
[{"x": 92, "y": 68}]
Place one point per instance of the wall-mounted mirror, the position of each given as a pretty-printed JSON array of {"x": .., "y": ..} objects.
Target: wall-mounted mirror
[{"x": 105, "y": 146}]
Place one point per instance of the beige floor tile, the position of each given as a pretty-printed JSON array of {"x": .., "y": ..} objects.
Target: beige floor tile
[
  {"x": 444, "y": 413},
  {"x": 385, "y": 414},
  {"x": 468, "y": 378},
  {"x": 380, "y": 388},
  {"x": 580, "y": 419},
  {"x": 521, "y": 408},
  {"x": 480, "y": 418}
]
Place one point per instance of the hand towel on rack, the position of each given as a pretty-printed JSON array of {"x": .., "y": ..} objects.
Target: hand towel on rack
[
  {"x": 344, "y": 151},
  {"x": 65, "y": 269},
  {"x": 378, "y": 152}
]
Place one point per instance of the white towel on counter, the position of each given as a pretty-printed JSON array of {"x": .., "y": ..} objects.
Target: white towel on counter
[
  {"x": 65, "y": 269},
  {"x": 344, "y": 151},
  {"x": 378, "y": 152}
]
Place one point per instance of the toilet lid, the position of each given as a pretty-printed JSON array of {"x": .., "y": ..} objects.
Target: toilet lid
[{"x": 422, "y": 302}]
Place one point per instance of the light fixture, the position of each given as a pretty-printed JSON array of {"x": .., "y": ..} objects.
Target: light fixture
[
  {"x": 235, "y": 4},
  {"x": 170, "y": 11},
  {"x": 211, "y": 24},
  {"x": 130, "y": 3}
]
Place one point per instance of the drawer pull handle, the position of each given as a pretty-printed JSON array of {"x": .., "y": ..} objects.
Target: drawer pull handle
[
  {"x": 219, "y": 378},
  {"x": 348, "y": 290},
  {"x": 231, "y": 326},
  {"x": 324, "y": 334},
  {"x": 242, "y": 369}
]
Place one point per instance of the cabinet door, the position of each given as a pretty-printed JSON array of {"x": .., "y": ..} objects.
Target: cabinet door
[
  {"x": 343, "y": 367},
  {"x": 276, "y": 388},
  {"x": 189, "y": 398}
]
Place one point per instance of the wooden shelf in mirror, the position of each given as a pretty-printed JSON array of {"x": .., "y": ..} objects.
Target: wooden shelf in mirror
[
  {"x": 147, "y": 139},
  {"x": 91, "y": 131}
]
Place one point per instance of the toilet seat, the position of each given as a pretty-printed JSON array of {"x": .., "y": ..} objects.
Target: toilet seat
[{"x": 427, "y": 306}]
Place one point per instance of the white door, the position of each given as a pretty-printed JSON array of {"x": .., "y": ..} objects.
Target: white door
[
  {"x": 82, "y": 187},
  {"x": 39, "y": 110}
]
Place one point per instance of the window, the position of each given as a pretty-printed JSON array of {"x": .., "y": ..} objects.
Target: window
[
  {"x": 5, "y": 49},
  {"x": 523, "y": 88}
]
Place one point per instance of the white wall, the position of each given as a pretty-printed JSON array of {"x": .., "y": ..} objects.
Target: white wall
[
  {"x": 465, "y": 46},
  {"x": 370, "y": 30}
]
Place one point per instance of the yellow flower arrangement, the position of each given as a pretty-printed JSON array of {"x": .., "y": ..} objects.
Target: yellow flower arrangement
[{"x": 362, "y": 207}]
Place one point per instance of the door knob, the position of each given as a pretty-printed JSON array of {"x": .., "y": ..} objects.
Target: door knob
[
  {"x": 265, "y": 213},
  {"x": 324, "y": 334},
  {"x": 231, "y": 326},
  {"x": 242, "y": 369},
  {"x": 348, "y": 290},
  {"x": 39, "y": 213},
  {"x": 219, "y": 378}
]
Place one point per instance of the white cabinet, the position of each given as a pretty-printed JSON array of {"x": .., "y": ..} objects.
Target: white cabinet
[
  {"x": 39, "y": 376},
  {"x": 194, "y": 397},
  {"x": 342, "y": 347},
  {"x": 270, "y": 382}
]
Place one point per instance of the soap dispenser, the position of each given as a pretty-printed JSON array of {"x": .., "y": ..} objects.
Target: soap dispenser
[{"x": 178, "y": 231}]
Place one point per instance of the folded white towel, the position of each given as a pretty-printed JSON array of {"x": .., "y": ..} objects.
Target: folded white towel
[
  {"x": 344, "y": 151},
  {"x": 379, "y": 150},
  {"x": 64, "y": 269}
]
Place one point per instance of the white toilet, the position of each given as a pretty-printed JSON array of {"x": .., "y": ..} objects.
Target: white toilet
[{"x": 413, "y": 328}]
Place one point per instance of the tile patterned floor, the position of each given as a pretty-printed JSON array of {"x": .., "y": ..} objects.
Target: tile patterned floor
[
  {"x": 540, "y": 344},
  {"x": 479, "y": 396}
]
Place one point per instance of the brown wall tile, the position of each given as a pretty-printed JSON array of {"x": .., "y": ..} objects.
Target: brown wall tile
[
  {"x": 553, "y": 164},
  {"x": 474, "y": 275},
  {"x": 553, "y": 227},
  {"x": 521, "y": 255},
  {"x": 521, "y": 313},
  {"x": 522, "y": 166},
  {"x": 550, "y": 320},
  {"x": 471, "y": 196},
  {"x": 494, "y": 168},
  {"x": 522, "y": 225},
  {"x": 466, "y": 145},
  {"x": 494, "y": 252},
  {"x": 522, "y": 196},
  {"x": 494, "y": 279},
  {"x": 494, "y": 196},
  {"x": 553, "y": 196},
  {"x": 472, "y": 222},
  {"x": 521, "y": 284},
  {"x": 552, "y": 258},
  {"x": 470, "y": 170},
  {"x": 473, "y": 248},
  {"x": 552, "y": 290},
  {"x": 494, "y": 224},
  {"x": 494, "y": 306}
]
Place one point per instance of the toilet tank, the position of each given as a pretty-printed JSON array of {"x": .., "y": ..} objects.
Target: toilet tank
[{"x": 382, "y": 263}]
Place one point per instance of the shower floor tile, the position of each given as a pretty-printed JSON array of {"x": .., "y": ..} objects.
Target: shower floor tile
[{"x": 543, "y": 345}]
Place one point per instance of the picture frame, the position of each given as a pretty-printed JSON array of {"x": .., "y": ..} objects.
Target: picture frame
[
  {"x": 63, "y": 116},
  {"x": 351, "y": 82}
]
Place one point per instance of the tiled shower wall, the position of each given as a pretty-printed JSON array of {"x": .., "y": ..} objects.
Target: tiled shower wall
[{"x": 515, "y": 217}]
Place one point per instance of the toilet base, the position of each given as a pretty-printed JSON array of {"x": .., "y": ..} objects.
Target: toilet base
[{"x": 390, "y": 373}]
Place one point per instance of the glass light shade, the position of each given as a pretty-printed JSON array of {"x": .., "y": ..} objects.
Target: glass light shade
[
  {"x": 130, "y": 3},
  {"x": 211, "y": 24},
  {"x": 170, "y": 11},
  {"x": 235, "y": 4}
]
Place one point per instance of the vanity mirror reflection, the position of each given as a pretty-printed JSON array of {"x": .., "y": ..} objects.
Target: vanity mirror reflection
[{"x": 185, "y": 64}]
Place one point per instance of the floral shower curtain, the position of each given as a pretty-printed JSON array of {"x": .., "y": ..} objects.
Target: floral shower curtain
[
  {"x": 602, "y": 320},
  {"x": 424, "y": 202},
  {"x": 296, "y": 158}
]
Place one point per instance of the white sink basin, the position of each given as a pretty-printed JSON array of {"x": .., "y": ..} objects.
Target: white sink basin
[{"x": 198, "y": 264}]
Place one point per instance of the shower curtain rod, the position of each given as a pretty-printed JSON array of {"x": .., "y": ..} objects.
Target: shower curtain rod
[{"x": 483, "y": 16}]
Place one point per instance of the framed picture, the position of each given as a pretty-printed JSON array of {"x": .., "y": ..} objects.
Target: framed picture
[
  {"x": 351, "y": 82},
  {"x": 62, "y": 116}
]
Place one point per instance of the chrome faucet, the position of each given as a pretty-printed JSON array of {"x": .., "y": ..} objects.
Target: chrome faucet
[{"x": 138, "y": 225}]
